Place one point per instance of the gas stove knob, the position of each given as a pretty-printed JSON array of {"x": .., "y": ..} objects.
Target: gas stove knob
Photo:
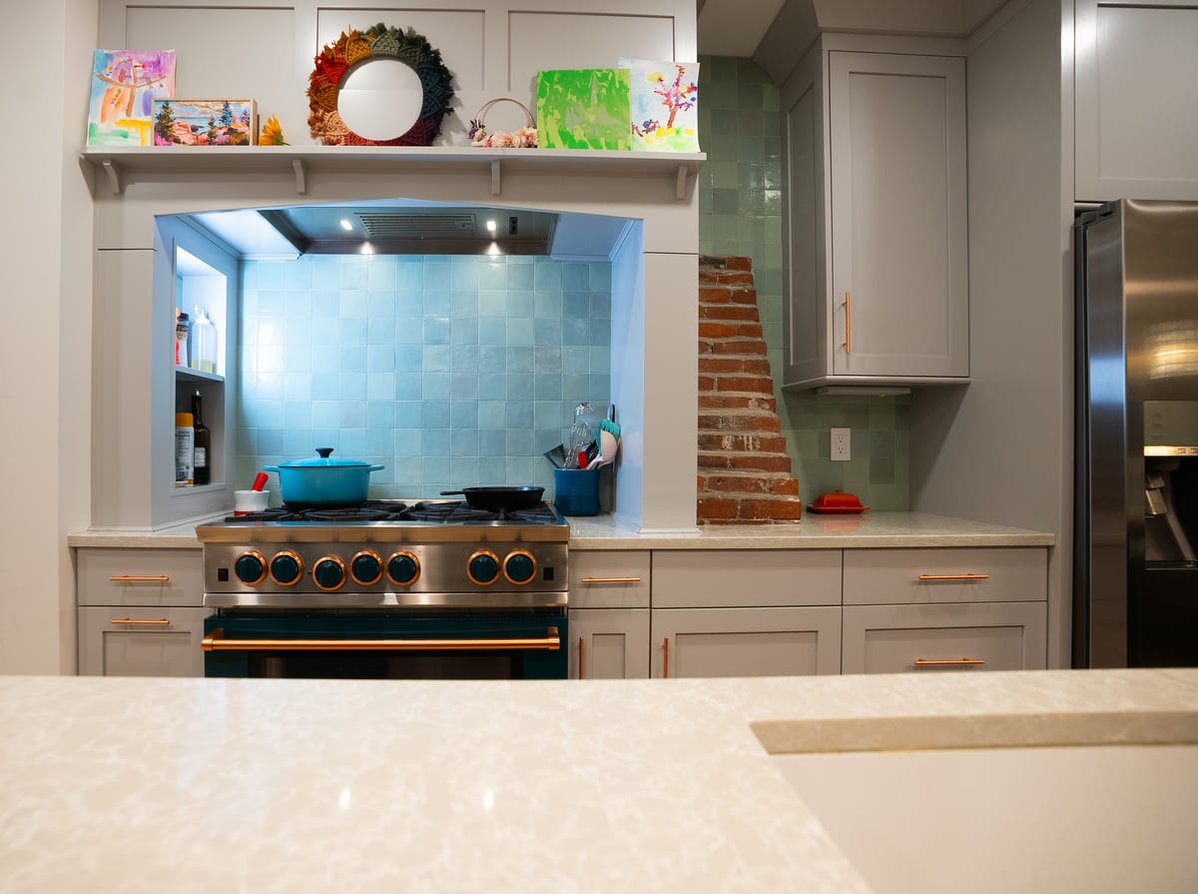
[
  {"x": 366, "y": 568},
  {"x": 287, "y": 568},
  {"x": 520, "y": 567},
  {"x": 329, "y": 572},
  {"x": 483, "y": 568},
  {"x": 403, "y": 568},
  {"x": 250, "y": 567}
]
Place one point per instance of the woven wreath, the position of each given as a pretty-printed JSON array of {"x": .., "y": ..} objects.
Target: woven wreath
[
  {"x": 524, "y": 138},
  {"x": 354, "y": 47}
]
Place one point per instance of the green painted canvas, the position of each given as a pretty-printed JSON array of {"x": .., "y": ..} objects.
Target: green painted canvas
[{"x": 585, "y": 108}]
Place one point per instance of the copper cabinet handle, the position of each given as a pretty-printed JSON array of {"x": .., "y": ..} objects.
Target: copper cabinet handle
[
  {"x": 581, "y": 661},
  {"x": 848, "y": 324},
  {"x": 140, "y": 579},
  {"x": 157, "y": 622},
  {"x": 216, "y": 642},
  {"x": 969, "y": 575},
  {"x": 947, "y": 662},
  {"x": 665, "y": 657},
  {"x": 610, "y": 580}
]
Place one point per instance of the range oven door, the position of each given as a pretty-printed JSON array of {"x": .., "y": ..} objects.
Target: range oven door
[{"x": 399, "y": 646}]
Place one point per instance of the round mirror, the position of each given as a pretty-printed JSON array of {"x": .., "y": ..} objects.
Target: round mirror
[{"x": 380, "y": 99}]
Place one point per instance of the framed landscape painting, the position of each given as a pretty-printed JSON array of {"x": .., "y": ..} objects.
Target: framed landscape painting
[
  {"x": 205, "y": 122},
  {"x": 125, "y": 84}
]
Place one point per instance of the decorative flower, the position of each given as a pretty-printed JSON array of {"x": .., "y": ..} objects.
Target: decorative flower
[
  {"x": 502, "y": 140},
  {"x": 272, "y": 133},
  {"x": 526, "y": 137}
]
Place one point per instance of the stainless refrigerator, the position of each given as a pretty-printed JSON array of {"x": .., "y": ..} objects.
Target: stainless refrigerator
[{"x": 1136, "y": 497}]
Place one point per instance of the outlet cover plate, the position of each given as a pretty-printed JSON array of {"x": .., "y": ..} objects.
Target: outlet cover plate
[{"x": 842, "y": 445}]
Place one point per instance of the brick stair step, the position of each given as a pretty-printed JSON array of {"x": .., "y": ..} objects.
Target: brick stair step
[
  {"x": 747, "y": 484},
  {"x": 711, "y": 330},
  {"x": 741, "y": 346},
  {"x": 755, "y": 365},
  {"x": 721, "y": 383},
  {"x": 750, "y": 509},
  {"x": 722, "y": 295},
  {"x": 748, "y": 461},
  {"x": 709, "y": 401},
  {"x": 713, "y": 276},
  {"x": 728, "y": 311},
  {"x": 744, "y": 442},
  {"x": 739, "y": 421}
]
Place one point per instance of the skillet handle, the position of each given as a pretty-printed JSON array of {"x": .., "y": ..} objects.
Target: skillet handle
[{"x": 451, "y": 493}]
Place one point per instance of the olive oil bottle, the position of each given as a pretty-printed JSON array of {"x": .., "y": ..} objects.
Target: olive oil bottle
[{"x": 203, "y": 442}]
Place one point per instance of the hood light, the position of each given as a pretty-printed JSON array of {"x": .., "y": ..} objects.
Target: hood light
[
  {"x": 490, "y": 226},
  {"x": 345, "y": 224}
]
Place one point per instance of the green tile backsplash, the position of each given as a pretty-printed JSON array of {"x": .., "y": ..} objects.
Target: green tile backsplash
[
  {"x": 740, "y": 213},
  {"x": 451, "y": 372}
]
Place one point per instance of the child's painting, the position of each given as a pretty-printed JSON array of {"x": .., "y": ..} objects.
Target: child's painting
[
  {"x": 583, "y": 109},
  {"x": 125, "y": 84},
  {"x": 665, "y": 105},
  {"x": 205, "y": 122}
]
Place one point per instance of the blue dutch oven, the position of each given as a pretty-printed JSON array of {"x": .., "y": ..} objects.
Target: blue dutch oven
[{"x": 322, "y": 481}]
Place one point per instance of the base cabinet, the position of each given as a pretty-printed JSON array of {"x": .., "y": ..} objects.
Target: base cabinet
[
  {"x": 609, "y": 643},
  {"x": 934, "y": 638},
  {"x": 141, "y": 642},
  {"x": 746, "y": 642}
]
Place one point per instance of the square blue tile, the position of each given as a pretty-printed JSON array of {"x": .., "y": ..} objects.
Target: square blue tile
[
  {"x": 407, "y": 442},
  {"x": 436, "y": 386},
  {"x": 463, "y": 414},
  {"x": 464, "y": 469},
  {"x": 379, "y": 440},
  {"x": 436, "y": 358},
  {"x": 463, "y": 386},
  {"x": 492, "y": 469},
  {"x": 519, "y": 386},
  {"x": 492, "y": 303},
  {"x": 297, "y": 442},
  {"x": 380, "y": 386},
  {"x": 353, "y": 443},
  {"x": 547, "y": 359},
  {"x": 353, "y": 333},
  {"x": 547, "y": 305},
  {"x": 547, "y": 276},
  {"x": 353, "y": 414},
  {"x": 353, "y": 305},
  {"x": 353, "y": 386},
  {"x": 408, "y": 360},
  {"x": 463, "y": 442},
  {"x": 519, "y": 414},
  {"x": 520, "y": 359},
  {"x": 270, "y": 440},
  {"x": 463, "y": 304},
  {"x": 379, "y": 414},
  {"x": 547, "y": 332},
  {"x": 576, "y": 276},
  {"x": 492, "y": 331},
  {"x": 464, "y": 331},
  {"x": 492, "y": 414},
  {"x": 575, "y": 331},
  {"x": 436, "y": 331},
  {"x": 380, "y": 358},
  {"x": 434, "y": 414},
  {"x": 437, "y": 275},
  {"x": 520, "y": 304},
  {"x": 575, "y": 359},
  {"x": 492, "y": 386},
  {"x": 436, "y": 468},
  {"x": 520, "y": 332},
  {"x": 408, "y": 386},
  {"x": 415, "y": 305},
  {"x": 352, "y": 273},
  {"x": 492, "y": 274},
  {"x": 547, "y": 387},
  {"x": 576, "y": 305},
  {"x": 407, "y": 414},
  {"x": 518, "y": 442},
  {"x": 519, "y": 275},
  {"x": 434, "y": 442}
]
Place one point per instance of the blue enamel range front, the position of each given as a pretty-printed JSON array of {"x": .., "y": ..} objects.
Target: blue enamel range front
[{"x": 390, "y": 590}]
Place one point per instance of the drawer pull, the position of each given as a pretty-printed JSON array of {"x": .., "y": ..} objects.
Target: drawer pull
[
  {"x": 665, "y": 658},
  {"x": 582, "y": 667},
  {"x": 610, "y": 580},
  {"x": 948, "y": 662},
  {"x": 967, "y": 576},
  {"x": 153, "y": 622},
  {"x": 140, "y": 578}
]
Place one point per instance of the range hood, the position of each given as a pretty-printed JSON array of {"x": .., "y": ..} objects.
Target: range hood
[{"x": 385, "y": 229}]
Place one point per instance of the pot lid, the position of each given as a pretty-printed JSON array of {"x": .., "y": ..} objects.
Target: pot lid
[{"x": 323, "y": 461}]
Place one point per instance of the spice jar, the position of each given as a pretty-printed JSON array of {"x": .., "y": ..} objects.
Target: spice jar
[{"x": 182, "y": 329}]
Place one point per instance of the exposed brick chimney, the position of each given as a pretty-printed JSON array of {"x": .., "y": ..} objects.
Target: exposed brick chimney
[{"x": 744, "y": 472}]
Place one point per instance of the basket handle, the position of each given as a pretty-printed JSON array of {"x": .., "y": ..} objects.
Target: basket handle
[{"x": 529, "y": 120}]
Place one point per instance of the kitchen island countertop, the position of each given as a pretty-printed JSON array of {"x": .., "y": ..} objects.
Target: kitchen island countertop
[
  {"x": 871, "y": 529},
  {"x": 647, "y": 785}
]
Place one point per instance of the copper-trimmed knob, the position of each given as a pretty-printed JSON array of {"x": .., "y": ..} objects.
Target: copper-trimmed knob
[
  {"x": 403, "y": 568},
  {"x": 483, "y": 568},
  {"x": 520, "y": 567},
  {"x": 287, "y": 568},
  {"x": 329, "y": 573},
  {"x": 250, "y": 567},
  {"x": 366, "y": 567}
]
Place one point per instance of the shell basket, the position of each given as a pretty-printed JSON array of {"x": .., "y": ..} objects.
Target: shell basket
[{"x": 524, "y": 138}]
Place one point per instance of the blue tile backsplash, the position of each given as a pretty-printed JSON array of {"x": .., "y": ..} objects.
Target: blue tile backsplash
[{"x": 449, "y": 371}]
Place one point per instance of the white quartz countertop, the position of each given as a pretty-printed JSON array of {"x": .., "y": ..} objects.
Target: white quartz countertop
[
  {"x": 871, "y": 529},
  {"x": 113, "y": 784}
]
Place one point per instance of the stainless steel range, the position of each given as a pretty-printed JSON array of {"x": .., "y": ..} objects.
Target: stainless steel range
[{"x": 387, "y": 589}]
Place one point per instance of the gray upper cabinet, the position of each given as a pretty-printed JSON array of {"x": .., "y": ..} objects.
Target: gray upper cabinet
[
  {"x": 1136, "y": 114},
  {"x": 876, "y": 239}
]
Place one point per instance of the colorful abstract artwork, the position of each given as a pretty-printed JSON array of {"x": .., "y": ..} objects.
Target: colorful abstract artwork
[
  {"x": 205, "y": 122},
  {"x": 125, "y": 84},
  {"x": 585, "y": 108},
  {"x": 665, "y": 105}
]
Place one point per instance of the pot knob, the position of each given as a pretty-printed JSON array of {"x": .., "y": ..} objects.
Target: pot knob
[{"x": 324, "y": 452}]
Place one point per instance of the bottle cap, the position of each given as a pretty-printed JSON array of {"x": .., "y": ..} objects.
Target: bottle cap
[{"x": 184, "y": 420}]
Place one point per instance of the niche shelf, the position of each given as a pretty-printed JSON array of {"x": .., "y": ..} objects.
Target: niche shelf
[{"x": 124, "y": 165}]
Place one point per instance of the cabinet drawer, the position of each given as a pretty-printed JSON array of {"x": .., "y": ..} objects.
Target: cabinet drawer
[
  {"x": 166, "y": 642},
  {"x": 879, "y": 576},
  {"x": 745, "y": 642},
  {"x": 732, "y": 578},
  {"x": 140, "y": 577},
  {"x": 890, "y": 639},
  {"x": 609, "y": 579}
]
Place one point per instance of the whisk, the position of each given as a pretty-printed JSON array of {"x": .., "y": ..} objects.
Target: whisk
[{"x": 582, "y": 432}]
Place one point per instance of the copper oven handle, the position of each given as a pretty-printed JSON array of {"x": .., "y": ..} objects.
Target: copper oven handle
[
  {"x": 848, "y": 324},
  {"x": 140, "y": 579},
  {"x": 969, "y": 575},
  {"x": 159, "y": 622},
  {"x": 581, "y": 660},
  {"x": 216, "y": 642},
  {"x": 947, "y": 662},
  {"x": 665, "y": 658},
  {"x": 610, "y": 580}
]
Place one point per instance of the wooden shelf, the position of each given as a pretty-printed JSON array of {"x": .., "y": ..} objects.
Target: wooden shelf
[{"x": 303, "y": 161}]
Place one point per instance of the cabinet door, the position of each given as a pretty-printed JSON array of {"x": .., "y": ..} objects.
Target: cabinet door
[
  {"x": 746, "y": 642},
  {"x": 141, "y": 642},
  {"x": 899, "y": 243},
  {"x": 609, "y": 643},
  {"x": 1136, "y": 116},
  {"x": 892, "y": 639}
]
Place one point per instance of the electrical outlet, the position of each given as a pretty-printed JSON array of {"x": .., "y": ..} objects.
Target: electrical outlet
[{"x": 842, "y": 441}]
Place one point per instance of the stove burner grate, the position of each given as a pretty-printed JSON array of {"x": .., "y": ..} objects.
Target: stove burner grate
[{"x": 438, "y": 512}]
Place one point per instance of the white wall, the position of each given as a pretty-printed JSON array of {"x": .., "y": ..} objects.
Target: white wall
[
  {"x": 1001, "y": 449},
  {"x": 46, "y": 232}
]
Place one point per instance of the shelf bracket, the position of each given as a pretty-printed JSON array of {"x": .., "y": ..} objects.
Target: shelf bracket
[
  {"x": 114, "y": 176},
  {"x": 301, "y": 182},
  {"x": 495, "y": 178},
  {"x": 680, "y": 184}
]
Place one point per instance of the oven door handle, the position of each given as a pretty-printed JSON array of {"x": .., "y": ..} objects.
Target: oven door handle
[{"x": 216, "y": 642}]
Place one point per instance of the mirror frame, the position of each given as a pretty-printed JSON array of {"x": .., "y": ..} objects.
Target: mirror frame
[{"x": 355, "y": 48}]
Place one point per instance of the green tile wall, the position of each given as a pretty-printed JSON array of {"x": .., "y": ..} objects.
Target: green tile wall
[{"x": 740, "y": 213}]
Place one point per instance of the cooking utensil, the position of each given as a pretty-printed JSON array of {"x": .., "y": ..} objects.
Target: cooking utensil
[
  {"x": 259, "y": 481},
  {"x": 556, "y": 456},
  {"x": 499, "y": 499},
  {"x": 322, "y": 481},
  {"x": 582, "y": 432}
]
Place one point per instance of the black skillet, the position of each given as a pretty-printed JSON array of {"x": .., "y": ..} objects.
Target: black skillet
[{"x": 499, "y": 499}]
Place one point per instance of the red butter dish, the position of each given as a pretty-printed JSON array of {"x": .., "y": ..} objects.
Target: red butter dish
[{"x": 837, "y": 503}]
